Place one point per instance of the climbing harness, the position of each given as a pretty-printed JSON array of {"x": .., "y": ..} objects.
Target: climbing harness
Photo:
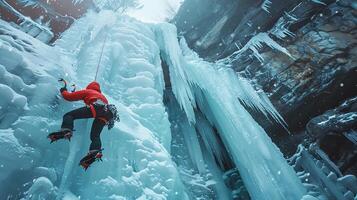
[
  {"x": 108, "y": 108},
  {"x": 100, "y": 58}
]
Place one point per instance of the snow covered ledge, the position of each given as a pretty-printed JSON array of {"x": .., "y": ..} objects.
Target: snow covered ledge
[
  {"x": 37, "y": 30},
  {"x": 27, "y": 25}
]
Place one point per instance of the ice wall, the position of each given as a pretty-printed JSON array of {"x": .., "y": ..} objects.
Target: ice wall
[
  {"x": 137, "y": 163},
  {"x": 220, "y": 94},
  {"x": 198, "y": 168},
  {"x": 28, "y": 110}
]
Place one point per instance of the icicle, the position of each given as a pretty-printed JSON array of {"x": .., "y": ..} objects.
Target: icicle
[
  {"x": 318, "y": 2},
  {"x": 168, "y": 43},
  {"x": 266, "y": 5},
  {"x": 256, "y": 43}
]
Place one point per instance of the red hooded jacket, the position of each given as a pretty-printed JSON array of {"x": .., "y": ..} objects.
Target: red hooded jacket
[{"x": 91, "y": 94}]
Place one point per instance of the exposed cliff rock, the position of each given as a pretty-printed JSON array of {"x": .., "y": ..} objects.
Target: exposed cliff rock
[{"x": 335, "y": 133}]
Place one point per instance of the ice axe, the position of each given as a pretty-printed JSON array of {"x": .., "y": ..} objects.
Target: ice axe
[
  {"x": 65, "y": 84},
  {"x": 64, "y": 81}
]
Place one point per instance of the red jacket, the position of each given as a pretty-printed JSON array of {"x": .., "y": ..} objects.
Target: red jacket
[{"x": 89, "y": 95}]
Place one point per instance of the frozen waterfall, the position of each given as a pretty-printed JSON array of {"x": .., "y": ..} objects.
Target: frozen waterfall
[
  {"x": 216, "y": 91},
  {"x": 138, "y": 162}
]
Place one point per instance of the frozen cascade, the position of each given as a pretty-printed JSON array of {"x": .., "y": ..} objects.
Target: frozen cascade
[
  {"x": 201, "y": 166},
  {"x": 137, "y": 161},
  {"x": 263, "y": 168}
]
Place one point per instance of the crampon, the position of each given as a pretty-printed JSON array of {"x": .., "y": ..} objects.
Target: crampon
[
  {"x": 90, "y": 158},
  {"x": 66, "y": 134}
]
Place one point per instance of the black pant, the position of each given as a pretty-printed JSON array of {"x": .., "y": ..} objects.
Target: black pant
[{"x": 97, "y": 126}]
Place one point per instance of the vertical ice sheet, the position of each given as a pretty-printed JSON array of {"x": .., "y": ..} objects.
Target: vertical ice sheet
[
  {"x": 214, "y": 148},
  {"x": 199, "y": 172},
  {"x": 137, "y": 163},
  {"x": 264, "y": 170}
]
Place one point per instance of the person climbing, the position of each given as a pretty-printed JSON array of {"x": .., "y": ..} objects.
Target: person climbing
[{"x": 97, "y": 107}]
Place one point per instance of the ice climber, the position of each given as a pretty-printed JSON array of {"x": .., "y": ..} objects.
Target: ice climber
[{"x": 97, "y": 107}]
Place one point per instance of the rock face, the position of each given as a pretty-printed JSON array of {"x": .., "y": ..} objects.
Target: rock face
[
  {"x": 335, "y": 134},
  {"x": 57, "y": 16},
  {"x": 312, "y": 68}
]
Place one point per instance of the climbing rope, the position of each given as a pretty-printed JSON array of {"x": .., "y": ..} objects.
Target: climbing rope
[
  {"x": 100, "y": 58},
  {"x": 96, "y": 73}
]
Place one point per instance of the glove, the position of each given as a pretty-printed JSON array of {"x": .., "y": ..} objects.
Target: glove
[{"x": 63, "y": 89}]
